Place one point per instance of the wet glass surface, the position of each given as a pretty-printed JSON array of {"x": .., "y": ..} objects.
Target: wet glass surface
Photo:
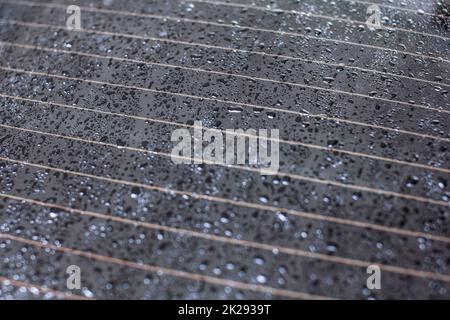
[{"x": 86, "y": 120}]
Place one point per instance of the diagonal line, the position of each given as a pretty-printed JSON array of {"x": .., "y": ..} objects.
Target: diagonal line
[
  {"x": 295, "y": 84},
  {"x": 211, "y": 23},
  {"x": 292, "y": 212},
  {"x": 308, "y": 14},
  {"x": 262, "y": 171},
  {"x": 31, "y": 287},
  {"x": 97, "y": 56},
  {"x": 220, "y": 101},
  {"x": 360, "y": 95},
  {"x": 416, "y": 11},
  {"x": 238, "y": 242},
  {"x": 289, "y": 142},
  {"x": 171, "y": 272},
  {"x": 208, "y": 99},
  {"x": 244, "y": 204},
  {"x": 209, "y": 46}
]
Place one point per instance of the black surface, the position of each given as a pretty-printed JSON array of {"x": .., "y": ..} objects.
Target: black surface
[{"x": 228, "y": 261}]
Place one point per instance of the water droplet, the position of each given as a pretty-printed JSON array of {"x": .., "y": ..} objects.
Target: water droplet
[{"x": 261, "y": 278}]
